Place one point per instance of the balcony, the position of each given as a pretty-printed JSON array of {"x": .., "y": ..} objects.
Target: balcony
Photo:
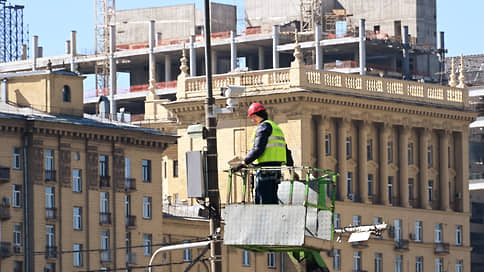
[
  {"x": 4, "y": 174},
  {"x": 401, "y": 245},
  {"x": 130, "y": 221},
  {"x": 131, "y": 258},
  {"x": 106, "y": 256},
  {"x": 360, "y": 244},
  {"x": 50, "y": 213},
  {"x": 4, "y": 211},
  {"x": 50, "y": 252},
  {"x": 130, "y": 184},
  {"x": 441, "y": 248},
  {"x": 104, "y": 218},
  {"x": 50, "y": 175},
  {"x": 104, "y": 181},
  {"x": 5, "y": 249}
]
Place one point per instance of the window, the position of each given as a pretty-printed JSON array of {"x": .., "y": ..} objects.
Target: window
[
  {"x": 398, "y": 229},
  {"x": 127, "y": 205},
  {"x": 410, "y": 189},
  {"x": 18, "y": 266},
  {"x": 76, "y": 181},
  {"x": 336, "y": 259},
  {"x": 378, "y": 262},
  {"x": 398, "y": 263},
  {"x": 419, "y": 264},
  {"x": 356, "y": 261},
  {"x": 146, "y": 167},
  {"x": 271, "y": 260},
  {"x": 164, "y": 169},
  {"x": 430, "y": 190},
  {"x": 245, "y": 258},
  {"x": 369, "y": 150},
  {"x": 49, "y": 165},
  {"x": 370, "y": 185},
  {"x": 390, "y": 152},
  {"x": 175, "y": 168},
  {"x": 103, "y": 166},
  {"x": 16, "y": 196},
  {"x": 187, "y": 253},
  {"x": 127, "y": 244},
  {"x": 438, "y": 233},
  {"x": 127, "y": 167},
  {"x": 390, "y": 189},
  {"x": 349, "y": 185},
  {"x": 410, "y": 153},
  {"x": 16, "y": 158},
  {"x": 104, "y": 239},
  {"x": 77, "y": 255},
  {"x": 337, "y": 220},
  {"x": 147, "y": 207},
  {"x": 438, "y": 265},
  {"x": 77, "y": 156},
  {"x": 147, "y": 244},
  {"x": 429, "y": 156},
  {"x": 76, "y": 218},
  {"x": 418, "y": 231},
  {"x": 356, "y": 220},
  {"x": 327, "y": 144},
  {"x": 104, "y": 202},
  {"x": 17, "y": 235},
  {"x": 348, "y": 147},
  {"x": 459, "y": 266},
  {"x": 50, "y": 236},
  {"x": 458, "y": 235},
  {"x": 66, "y": 94},
  {"x": 49, "y": 197}
]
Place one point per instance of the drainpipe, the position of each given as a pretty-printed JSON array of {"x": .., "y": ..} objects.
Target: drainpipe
[
  {"x": 275, "y": 43},
  {"x": 362, "y": 48},
  {"x": 26, "y": 203},
  {"x": 73, "y": 50},
  {"x": 112, "y": 71},
  {"x": 35, "y": 45}
]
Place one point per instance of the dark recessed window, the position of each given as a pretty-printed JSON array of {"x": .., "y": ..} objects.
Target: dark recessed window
[{"x": 66, "y": 94}]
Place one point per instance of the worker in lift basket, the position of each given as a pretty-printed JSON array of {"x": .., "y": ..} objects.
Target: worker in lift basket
[{"x": 268, "y": 148}]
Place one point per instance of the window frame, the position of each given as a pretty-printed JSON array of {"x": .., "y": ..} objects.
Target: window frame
[
  {"x": 146, "y": 171},
  {"x": 49, "y": 197},
  {"x": 77, "y": 218},
  {"x": 349, "y": 147},
  {"x": 438, "y": 233},
  {"x": 16, "y": 158},
  {"x": 76, "y": 180},
  {"x": 418, "y": 231},
  {"x": 271, "y": 260},
  {"x": 147, "y": 244},
  {"x": 17, "y": 235},
  {"x": 17, "y": 195},
  {"x": 369, "y": 185},
  {"x": 389, "y": 151},
  {"x": 337, "y": 259},
  {"x": 147, "y": 207},
  {"x": 77, "y": 258},
  {"x": 458, "y": 235},
  {"x": 245, "y": 258},
  {"x": 327, "y": 144}
]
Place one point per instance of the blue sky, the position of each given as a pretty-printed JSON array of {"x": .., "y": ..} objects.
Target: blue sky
[{"x": 52, "y": 21}]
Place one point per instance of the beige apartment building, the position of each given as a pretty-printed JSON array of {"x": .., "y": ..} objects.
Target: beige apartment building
[
  {"x": 79, "y": 193},
  {"x": 401, "y": 148}
]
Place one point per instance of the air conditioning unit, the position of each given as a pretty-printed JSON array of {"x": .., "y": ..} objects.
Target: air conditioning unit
[{"x": 458, "y": 195}]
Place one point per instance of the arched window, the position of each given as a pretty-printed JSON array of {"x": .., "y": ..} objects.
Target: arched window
[{"x": 66, "y": 94}]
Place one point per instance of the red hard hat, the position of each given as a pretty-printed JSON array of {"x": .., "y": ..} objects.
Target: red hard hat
[{"x": 255, "y": 107}]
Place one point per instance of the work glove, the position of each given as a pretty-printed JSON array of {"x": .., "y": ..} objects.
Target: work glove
[{"x": 238, "y": 167}]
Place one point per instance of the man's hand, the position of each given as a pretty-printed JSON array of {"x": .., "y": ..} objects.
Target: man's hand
[{"x": 238, "y": 167}]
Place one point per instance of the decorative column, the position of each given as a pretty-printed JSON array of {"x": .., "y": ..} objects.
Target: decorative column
[
  {"x": 384, "y": 132},
  {"x": 362, "y": 162},
  {"x": 452, "y": 81},
  {"x": 343, "y": 127},
  {"x": 423, "y": 146},
  {"x": 444, "y": 171},
  {"x": 462, "y": 77},
  {"x": 403, "y": 159}
]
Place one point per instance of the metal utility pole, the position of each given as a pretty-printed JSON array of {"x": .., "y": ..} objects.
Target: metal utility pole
[{"x": 212, "y": 169}]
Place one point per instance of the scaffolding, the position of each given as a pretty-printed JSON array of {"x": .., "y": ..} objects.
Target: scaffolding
[
  {"x": 311, "y": 14},
  {"x": 12, "y": 35},
  {"x": 104, "y": 16}
]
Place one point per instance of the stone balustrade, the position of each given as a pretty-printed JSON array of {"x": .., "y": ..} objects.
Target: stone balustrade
[{"x": 311, "y": 79}]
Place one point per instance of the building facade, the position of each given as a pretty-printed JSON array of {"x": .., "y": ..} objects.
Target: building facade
[
  {"x": 78, "y": 193},
  {"x": 400, "y": 147}
]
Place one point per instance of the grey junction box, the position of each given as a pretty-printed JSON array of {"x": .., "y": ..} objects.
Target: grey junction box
[{"x": 195, "y": 169}]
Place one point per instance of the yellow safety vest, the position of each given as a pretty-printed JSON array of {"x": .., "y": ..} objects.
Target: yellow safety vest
[{"x": 276, "y": 146}]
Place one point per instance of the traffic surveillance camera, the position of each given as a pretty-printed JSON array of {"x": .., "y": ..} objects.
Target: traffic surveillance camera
[{"x": 232, "y": 92}]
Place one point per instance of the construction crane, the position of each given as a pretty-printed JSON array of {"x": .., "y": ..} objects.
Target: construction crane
[
  {"x": 104, "y": 16},
  {"x": 311, "y": 14},
  {"x": 13, "y": 38}
]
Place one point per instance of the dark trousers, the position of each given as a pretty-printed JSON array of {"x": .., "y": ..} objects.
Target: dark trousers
[{"x": 266, "y": 184}]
